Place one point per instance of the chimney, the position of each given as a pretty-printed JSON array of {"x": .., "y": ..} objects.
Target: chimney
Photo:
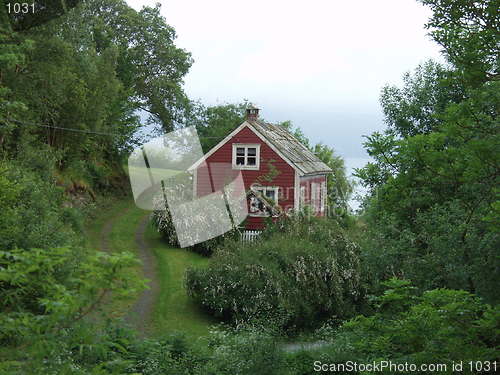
[{"x": 252, "y": 113}]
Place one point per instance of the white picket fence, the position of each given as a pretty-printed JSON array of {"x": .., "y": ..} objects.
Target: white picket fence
[{"x": 250, "y": 235}]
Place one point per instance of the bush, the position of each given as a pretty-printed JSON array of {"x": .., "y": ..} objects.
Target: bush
[
  {"x": 84, "y": 350},
  {"x": 443, "y": 248},
  {"x": 439, "y": 326},
  {"x": 45, "y": 290},
  {"x": 31, "y": 210},
  {"x": 244, "y": 352},
  {"x": 162, "y": 220},
  {"x": 293, "y": 277}
]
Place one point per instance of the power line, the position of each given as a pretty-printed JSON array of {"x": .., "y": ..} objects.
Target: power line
[
  {"x": 82, "y": 131},
  {"x": 89, "y": 131},
  {"x": 66, "y": 129}
]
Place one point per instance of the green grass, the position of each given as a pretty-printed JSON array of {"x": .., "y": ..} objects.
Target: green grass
[
  {"x": 108, "y": 210},
  {"x": 126, "y": 217},
  {"x": 174, "y": 310}
]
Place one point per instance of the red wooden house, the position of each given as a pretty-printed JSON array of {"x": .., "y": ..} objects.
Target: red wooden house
[{"x": 280, "y": 174}]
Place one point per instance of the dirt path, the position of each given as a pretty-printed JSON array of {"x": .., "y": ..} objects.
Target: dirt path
[
  {"x": 139, "y": 315},
  {"x": 106, "y": 231}
]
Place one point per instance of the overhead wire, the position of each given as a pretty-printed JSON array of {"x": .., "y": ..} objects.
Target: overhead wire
[
  {"x": 81, "y": 130},
  {"x": 89, "y": 131}
]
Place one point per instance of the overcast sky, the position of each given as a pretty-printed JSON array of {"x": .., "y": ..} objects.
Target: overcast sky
[{"x": 320, "y": 64}]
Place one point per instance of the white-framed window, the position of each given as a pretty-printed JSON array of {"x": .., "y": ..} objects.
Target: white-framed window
[
  {"x": 315, "y": 195},
  {"x": 270, "y": 192},
  {"x": 257, "y": 207},
  {"x": 246, "y": 156},
  {"x": 323, "y": 196},
  {"x": 302, "y": 196}
]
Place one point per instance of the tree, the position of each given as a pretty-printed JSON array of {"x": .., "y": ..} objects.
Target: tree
[
  {"x": 12, "y": 55},
  {"x": 77, "y": 82},
  {"x": 431, "y": 195},
  {"x": 39, "y": 12},
  {"x": 214, "y": 123},
  {"x": 468, "y": 32},
  {"x": 149, "y": 64},
  {"x": 413, "y": 109},
  {"x": 436, "y": 170}
]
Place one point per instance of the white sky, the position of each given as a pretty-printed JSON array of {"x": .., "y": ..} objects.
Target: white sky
[{"x": 320, "y": 64}]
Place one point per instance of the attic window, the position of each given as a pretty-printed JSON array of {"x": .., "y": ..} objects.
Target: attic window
[{"x": 246, "y": 156}]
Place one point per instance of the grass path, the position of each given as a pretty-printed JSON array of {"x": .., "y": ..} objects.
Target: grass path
[
  {"x": 140, "y": 313},
  {"x": 105, "y": 233},
  {"x": 165, "y": 307}
]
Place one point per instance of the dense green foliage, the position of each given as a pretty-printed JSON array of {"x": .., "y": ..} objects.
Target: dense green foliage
[
  {"x": 434, "y": 181},
  {"x": 214, "y": 123},
  {"x": 440, "y": 326},
  {"x": 49, "y": 283},
  {"x": 41, "y": 11},
  {"x": 46, "y": 290},
  {"x": 468, "y": 33},
  {"x": 77, "y": 82},
  {"x": 148, "y": 64},
  {"x": 32, "y": 211},
  {"x": 119, "y": 351},
  {"x": 70, "y": 90},
  {"x": 67, "y": 117},
  {"x": 293, "y": 277}
]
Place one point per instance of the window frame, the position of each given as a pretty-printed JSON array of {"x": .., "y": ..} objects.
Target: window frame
[
  {"x": 315, "y": 195},
  {"x": 246, "y": 146},
  {"x": 302, "y": 196},
  {"x": 262, "y": 190},
  {"x": 323, "y": 195}
]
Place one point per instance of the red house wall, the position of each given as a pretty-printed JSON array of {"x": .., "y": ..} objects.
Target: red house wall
[
  {"x": 284, "y": 180},
  {"x": 307, "y": 181}
]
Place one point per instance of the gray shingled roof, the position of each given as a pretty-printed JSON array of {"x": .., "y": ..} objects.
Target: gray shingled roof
[{"x": 301, "y": 157}]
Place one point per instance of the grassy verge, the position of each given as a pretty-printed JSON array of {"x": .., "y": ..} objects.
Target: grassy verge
[{"x": 174, "y": 311}]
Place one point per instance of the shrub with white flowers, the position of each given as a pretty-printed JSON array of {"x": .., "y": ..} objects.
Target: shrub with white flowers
[
  {"x": 295, "y": 276},
  {"x": 162, "y": 220}
]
